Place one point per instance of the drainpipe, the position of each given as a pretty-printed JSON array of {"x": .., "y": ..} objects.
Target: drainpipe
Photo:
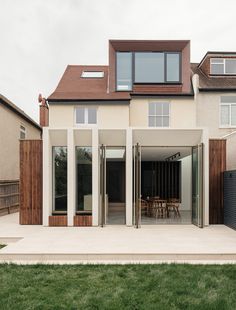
[{"x": 43, "y": 111}]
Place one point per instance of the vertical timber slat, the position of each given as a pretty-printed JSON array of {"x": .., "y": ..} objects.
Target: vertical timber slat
[
  {"x": 217, "y": 165},
  {"x": 31, "y": 182}
]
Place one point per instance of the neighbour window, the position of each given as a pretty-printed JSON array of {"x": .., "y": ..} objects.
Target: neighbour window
[
  {"x": 159, "y": 114},
  {"x": 223, "y": 66},
  {"x": 124, "y": 71},
  {"x": 22, "y": 132},
  {"x": 228, "y": 111},
  {"x": 86, "y": 116},
  {"x": 84, "y": 179},
  {"x": 60, "y": 179},
  {"x": 157, "y": 67},
  {"x": 92, "y": 74}
]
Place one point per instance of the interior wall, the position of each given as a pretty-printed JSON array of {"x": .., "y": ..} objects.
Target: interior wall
[{"x": 186, "y": 183}]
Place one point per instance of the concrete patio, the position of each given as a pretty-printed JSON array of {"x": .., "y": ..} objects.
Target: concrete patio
[{"x": 115, "y": 244}]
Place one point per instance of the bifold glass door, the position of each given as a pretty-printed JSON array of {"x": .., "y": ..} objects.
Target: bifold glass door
[
  {"x": 137, "y": 185},
  {"x": 103, "y": 206},
  {"x": 197, "y": 185}
]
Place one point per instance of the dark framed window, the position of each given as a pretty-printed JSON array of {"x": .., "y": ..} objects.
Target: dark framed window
[
  {"x": 59, "y": 179},
  {"x": 124, "y": 71},
  {"x": 157, "y": 67},
  {"x": 147, "y": 68}
]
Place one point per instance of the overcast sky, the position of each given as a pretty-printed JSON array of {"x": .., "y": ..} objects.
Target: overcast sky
[{"x": 40, "y": 37}]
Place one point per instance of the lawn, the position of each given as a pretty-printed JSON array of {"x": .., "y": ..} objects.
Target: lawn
[{"x": 118, "y": 287}]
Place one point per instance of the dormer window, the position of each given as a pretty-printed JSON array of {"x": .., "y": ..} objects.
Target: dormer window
[
  {"x": 223, "y": 66},
  {"x": 92, "y": 74},
  {"x": 147, "y": 68},
  {"x": 157, "y": 67}
]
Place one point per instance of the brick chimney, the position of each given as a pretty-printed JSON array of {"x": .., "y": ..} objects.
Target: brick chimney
[{"x": 43, "y": 111}]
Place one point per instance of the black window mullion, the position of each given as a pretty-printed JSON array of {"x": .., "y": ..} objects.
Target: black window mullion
[{"x": 165, "y": 67}]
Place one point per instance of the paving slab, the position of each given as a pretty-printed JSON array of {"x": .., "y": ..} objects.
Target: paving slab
[{"x": 115, "y": 244}]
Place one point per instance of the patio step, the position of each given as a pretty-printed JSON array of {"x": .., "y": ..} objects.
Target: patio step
[{"x": 116, "y": 258}]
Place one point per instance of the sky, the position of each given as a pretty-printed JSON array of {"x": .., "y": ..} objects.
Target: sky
[{"x": 39, "y": 38}]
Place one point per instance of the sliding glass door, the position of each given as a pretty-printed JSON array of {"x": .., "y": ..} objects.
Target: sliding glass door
[
  {"x": 197, "y": 185},
  {"x": 103, "y": 191},
  {"x": 137, "y": 185}
]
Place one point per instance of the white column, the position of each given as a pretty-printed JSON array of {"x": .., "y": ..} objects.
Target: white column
[
  {"x": 95, "y": 177},
  {"x": 70, "y": 177},
  {"x": 129, "y": 166},
  {"x": 47, "y": 176},
  {"x": 205, "y": 140}
]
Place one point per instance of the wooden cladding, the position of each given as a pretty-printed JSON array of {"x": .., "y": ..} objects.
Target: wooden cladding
[
  {"x": 83, "y": 220},
  {"x": 154, "y": 88},
  {"x": 217, "y": 165},
  {"x": 161, "y": 178},
  {"x": 31, "y": 182},
  {"x": 58, "y": 220}
]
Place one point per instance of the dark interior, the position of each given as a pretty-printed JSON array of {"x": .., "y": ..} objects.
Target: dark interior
[
  {"x": 161, "y": 178},
  {"x": 115, "y": 174}
]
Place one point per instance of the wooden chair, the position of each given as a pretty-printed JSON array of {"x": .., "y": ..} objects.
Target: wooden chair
[
  {"x": 173, "y": 206},
  {"x": 161, "y": 210},
  {"x": 144, "y": 207}
]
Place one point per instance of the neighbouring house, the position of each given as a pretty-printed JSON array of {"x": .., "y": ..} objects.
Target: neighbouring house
[
  {"x": 15, "y": 124},
  {"x": 136, "y": 142},
  {"x": 216, "y": 98}
]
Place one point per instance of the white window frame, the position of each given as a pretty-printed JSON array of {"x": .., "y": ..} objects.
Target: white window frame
[
  {"x": 86, "y": 124},
  {"x": 230, "y": 104},
  {"x": 22, "y": 131},
  {"x": 213, "y": 61},
  {"x": 159, "y": 115}
]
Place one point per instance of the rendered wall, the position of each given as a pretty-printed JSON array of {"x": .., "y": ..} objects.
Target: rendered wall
[
  {"x": 182, "y": 112},
  {"x": 208, "y": 115},
  {"x": 9, "y": 139},
  {"x": 108, "y": 116}
]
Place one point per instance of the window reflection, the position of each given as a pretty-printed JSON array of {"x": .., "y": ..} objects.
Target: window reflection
[
  {"x": 60, "y": 178},
  {"x": 84, "y": 179}
]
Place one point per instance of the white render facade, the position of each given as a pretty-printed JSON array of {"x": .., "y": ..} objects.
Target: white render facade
[
  {"x": 124, "y": 125},
  {"x": 136, "y": 135}
]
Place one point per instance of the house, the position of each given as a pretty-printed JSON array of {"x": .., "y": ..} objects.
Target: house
[
  {"x": 15, "y": 124},
  {"x": 121, "y": 134},
  {"x": 216, "y": 98}
]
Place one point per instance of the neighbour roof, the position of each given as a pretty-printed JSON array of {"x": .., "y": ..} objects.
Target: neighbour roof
[
  {"x": 6, "y": 102},
  {"x": 74, "y": 87},
  {"x": 213, "y": 83}
]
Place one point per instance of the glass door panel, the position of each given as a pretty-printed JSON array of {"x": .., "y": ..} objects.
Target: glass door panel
[
  {"x": 102, "y": 185},
  {"x": 197, "y": 185}
]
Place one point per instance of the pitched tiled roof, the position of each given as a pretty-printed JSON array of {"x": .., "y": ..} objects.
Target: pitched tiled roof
[
  {"x": 74, "y": 87},
  {"x": 7, "y": 103},
  {"x": 215, "y": 83}
]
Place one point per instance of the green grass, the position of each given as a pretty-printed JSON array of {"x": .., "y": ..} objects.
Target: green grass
[
  {"x": 2, "y": 246},
  {"x": 118, "y": 287}
]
